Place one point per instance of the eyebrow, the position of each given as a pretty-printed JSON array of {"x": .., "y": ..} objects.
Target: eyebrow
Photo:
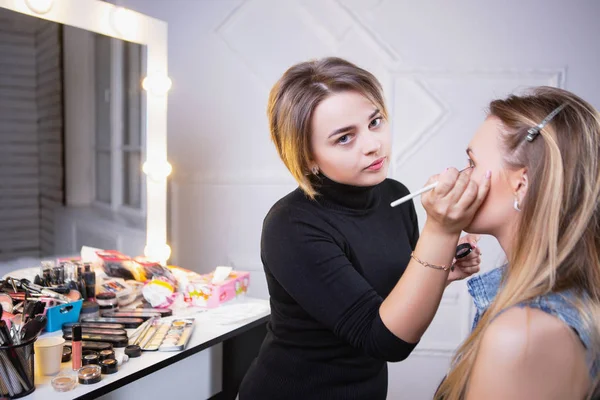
[
  {"x": 470, "y": 152},
  {"x": 348, "y": 128}
]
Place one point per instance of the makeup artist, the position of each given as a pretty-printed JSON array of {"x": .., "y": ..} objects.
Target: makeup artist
[{"x": 352, "y": 283}]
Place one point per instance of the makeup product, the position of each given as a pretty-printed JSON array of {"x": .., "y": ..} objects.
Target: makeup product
[
  {"x": 80, "y": 281},
  {"x": 121, "y": 358},
  {"x": 89, "y": 278},
  {"x": 95, "y": 346},
  {"x": 133, "y": 351},
  {"x": 115, "y": 340},
  {"x": 106, "y": 354},
  {"x": 125, "y": 295},
  {"x": 141, "y": 333},
  {"x": 129, "y": 323},
  {"x": 89, "y": 309},
  {"x": 134, "y": 336},
  {"x": 96, "y": 331},
  {"x": 463, "y": 250},
  {"x": 107, "y": 301},
  {"x": 70, "y": 272},
  {"x": 94, "y": 325},
  {"x": 164, "y": 312},
  {"x": 76, "y": 347},
  {"x": 26, "y": 284},
  {"x": 178, "y": 335},
  {"x": 154, "y": 337},
  {"x": 90, "y": 359},
  {"x": 87, "y": 352},
  {"x": 89, "y": 374},
  {"x": 419, "y": 192},
  {"x": 74, "y": 294},
  {"x": 64, "y": 383},
  {"x": 66, "y": 354},
  {"x": 109, "y": 366},
  {"x": 32, "y": 328},
  {"x": 6, "y": 302},
  {"x": 131, "y": 314}
]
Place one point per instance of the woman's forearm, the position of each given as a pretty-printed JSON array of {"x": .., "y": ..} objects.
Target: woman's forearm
[{"x": 410, "y": 307}]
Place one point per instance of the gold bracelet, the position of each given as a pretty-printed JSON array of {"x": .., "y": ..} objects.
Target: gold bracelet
[{"x": 426, "y": 264}]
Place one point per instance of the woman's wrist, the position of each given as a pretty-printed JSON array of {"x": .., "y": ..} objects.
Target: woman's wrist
[{"x": 438, "y": 231}]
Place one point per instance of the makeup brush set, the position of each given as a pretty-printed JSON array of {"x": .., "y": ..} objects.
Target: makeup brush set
[
  {"x": 16, "y": 353},
  {"x": 22, "y": 300}
]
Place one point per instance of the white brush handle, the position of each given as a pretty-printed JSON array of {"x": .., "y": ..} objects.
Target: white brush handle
[
  {"x": 420, "y": 192},
  {"x": 413, "y": 195}
]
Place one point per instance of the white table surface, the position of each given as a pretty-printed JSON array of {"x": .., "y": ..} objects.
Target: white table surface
[{"x": 211, "y": 327}]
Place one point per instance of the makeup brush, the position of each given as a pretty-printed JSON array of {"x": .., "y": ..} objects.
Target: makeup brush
[{"x": 419, "y": 192}]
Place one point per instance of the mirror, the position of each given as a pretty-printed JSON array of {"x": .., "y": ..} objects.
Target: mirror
[{"x": 82, "y": 131}]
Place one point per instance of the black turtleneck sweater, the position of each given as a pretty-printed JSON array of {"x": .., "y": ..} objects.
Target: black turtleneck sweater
[{"x": 329, "y": 264}]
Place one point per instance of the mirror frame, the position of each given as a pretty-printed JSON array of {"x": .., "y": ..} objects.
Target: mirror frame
[{"x": 117, "y": 22}]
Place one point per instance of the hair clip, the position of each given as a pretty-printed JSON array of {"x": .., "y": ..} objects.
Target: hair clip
[{"x": 533, "y": 132}]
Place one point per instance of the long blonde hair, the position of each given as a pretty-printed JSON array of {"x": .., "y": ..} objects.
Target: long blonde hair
[{"x": 557, "y": 242}]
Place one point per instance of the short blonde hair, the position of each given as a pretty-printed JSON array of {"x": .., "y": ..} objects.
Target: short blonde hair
[{"x": 297, "y": 94}]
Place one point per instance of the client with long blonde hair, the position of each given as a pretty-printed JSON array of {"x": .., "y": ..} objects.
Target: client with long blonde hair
[{"x": 537, "y": 325}]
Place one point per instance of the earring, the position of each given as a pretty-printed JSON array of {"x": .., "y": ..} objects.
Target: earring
[
  {"x": 315, "y": 170},
  {"x": 516, "y": 204}
]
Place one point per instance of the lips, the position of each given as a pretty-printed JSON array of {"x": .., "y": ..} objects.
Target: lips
[{"x": 376, "y": 164}]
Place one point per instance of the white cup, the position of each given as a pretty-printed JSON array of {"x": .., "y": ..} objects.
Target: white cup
[{"x": 48, "y": 354}]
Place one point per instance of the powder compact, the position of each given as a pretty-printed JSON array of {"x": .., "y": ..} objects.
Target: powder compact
[
  {"x": 109, "y": 366},
  {"x": 90, "y": 359},
  {"x": 89, "y": 374},
  {"x": 64, "y": 383},
  {"x": 106, "y": 354}
]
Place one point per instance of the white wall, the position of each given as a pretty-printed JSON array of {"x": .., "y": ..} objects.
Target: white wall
[{"x": 440, "y": 64}]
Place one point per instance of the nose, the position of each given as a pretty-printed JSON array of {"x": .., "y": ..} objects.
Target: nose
[{"x": 371, "y": 144}]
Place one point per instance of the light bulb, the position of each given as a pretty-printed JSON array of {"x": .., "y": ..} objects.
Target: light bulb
[
  {"x": 124, "y": 21},
  {"x": 158, "y": 170},
  {"x": 158, "y": 252},
  {"x": 39, "y": 6},
  {"x": 157, "y": 84}
]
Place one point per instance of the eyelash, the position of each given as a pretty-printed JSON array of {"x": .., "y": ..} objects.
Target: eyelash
[
  {"x": 340, "y": 141},
  {"x": 471, "y": 163},
  {"x": 380, "y": 119}
]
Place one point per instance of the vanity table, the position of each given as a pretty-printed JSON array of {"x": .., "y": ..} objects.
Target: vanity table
[{"x": 237, "y": 328}]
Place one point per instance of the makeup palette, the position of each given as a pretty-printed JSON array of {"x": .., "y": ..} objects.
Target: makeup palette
[
  {"x": 178, "y": 335},
  {"x": 115, "y": 340},
  {"x": 138, "y": 313},
  {"x": 163, "y": 335},
  {"x": 129, "y": 323},
  {"x": 95, "y": 346}
]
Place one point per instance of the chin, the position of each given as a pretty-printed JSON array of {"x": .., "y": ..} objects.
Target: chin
[
  {"x": 476, "y": 227},
  {"x": 373, "y": 180}
]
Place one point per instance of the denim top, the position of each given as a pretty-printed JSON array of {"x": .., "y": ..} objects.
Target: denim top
[{"x": 484, "y": 287}]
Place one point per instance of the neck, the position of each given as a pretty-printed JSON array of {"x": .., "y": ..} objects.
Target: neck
[{"x": 506, "y": 238}]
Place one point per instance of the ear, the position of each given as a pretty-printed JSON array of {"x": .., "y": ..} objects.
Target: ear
[{"x": 519, "y": 182}]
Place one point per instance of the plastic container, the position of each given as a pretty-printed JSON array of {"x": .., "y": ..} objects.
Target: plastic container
[
  {"x": 107, "y": 301},
  {"x": 89, "y": 374},
  {"x": 89, "y": 309},
  {"x": 62, "y": 314},
  {"x": 63, "y": 383}
]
